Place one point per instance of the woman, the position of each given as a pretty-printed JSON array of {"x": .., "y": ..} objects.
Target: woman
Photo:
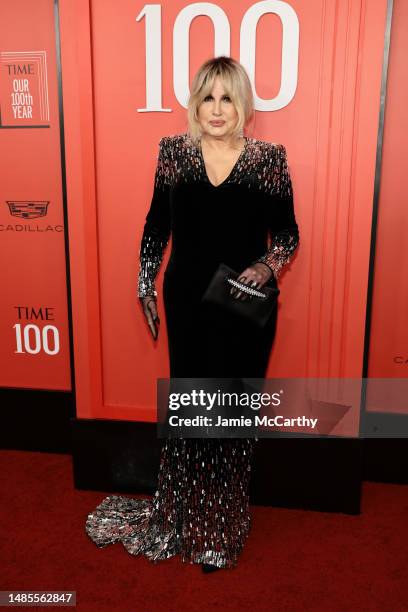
[{"x": 219, "y": 194}]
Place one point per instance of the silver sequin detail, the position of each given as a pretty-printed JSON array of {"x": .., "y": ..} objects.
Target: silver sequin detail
[
  {"x": 262, "y": 166},
  {"x": 285, "y": 238},
  {"x": 151, "y": 255},
  {"x": 282, "y": 248},
  {"x": 245, "y": 288},
  {"x": 204, "y": 519}
]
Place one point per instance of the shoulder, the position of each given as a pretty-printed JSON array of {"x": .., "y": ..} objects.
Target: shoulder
[
  {"x": 270, "y": 160},
  {"x": 269, "y": 157},
  {"x": 267, "y": 148},
  {"x": 174, "y": 143},
  {"x": 169, "y": 159}
]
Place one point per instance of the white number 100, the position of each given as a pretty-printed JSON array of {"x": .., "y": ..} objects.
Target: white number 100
[{"x": 222, "y": 36}]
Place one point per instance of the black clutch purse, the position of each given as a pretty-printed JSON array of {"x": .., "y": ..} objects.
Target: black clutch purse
[{"x": 256, "y": 310}]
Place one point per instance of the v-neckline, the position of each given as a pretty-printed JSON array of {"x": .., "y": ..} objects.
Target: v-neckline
[{"x": 232, "y": 169}]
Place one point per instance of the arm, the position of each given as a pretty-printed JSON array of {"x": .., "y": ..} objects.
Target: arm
[
  {"x": 156, "y": 231},
  {"x": 282, "y": 224}
]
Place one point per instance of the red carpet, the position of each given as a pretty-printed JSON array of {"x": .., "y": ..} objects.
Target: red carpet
[{"x": 293, "y": 560}]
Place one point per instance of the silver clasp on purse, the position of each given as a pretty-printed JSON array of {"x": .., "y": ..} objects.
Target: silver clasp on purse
[{"x": 245, "y": 288}]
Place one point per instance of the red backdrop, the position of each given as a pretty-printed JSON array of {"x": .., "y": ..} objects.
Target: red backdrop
[
  {"x": 316, "y": 70},
  {"x": 34, "y": 347}
]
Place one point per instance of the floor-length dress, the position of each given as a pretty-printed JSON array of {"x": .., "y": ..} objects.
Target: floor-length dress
[{"x": 201, "y": 506}]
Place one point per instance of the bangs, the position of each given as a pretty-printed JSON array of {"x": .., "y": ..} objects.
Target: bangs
[
  {"x": 226, "y": 79},
  {"x": 236, "y": 85}
]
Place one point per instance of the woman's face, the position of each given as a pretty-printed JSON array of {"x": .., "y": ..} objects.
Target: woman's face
[{"x": 216, "y": 114}]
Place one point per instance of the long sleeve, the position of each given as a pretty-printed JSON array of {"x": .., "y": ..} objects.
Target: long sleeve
[
  {"x": 281, "y": 219},
  {"x": 156, "y": 230}
]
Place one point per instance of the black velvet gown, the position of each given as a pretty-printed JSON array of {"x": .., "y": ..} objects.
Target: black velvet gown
[{"x": 201, "y": 507}]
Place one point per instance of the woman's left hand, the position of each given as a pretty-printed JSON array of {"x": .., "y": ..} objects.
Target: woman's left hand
[{"x": 254, "y": 276}]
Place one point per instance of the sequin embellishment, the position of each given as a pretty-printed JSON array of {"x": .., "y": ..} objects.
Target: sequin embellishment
[
  {"x": 262, "y": 165},
  {"x": 200, "y": 509}
]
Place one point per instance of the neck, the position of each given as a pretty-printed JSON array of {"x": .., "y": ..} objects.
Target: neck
[{"x": 222, "y": 142}]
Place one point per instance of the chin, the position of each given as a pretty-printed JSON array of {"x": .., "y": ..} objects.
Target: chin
[{"x": 218, "y": 130}]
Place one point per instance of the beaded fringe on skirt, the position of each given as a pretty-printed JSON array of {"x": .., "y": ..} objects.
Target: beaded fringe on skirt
[{"x": 200, "y": 509}]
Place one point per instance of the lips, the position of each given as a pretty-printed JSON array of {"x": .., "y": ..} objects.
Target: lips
[{"x": 217, "y": 123}]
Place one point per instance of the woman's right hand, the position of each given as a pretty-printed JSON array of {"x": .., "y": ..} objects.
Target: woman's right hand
[{"x": 149, "y": 305}]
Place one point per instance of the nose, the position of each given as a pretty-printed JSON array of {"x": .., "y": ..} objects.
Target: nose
[{"x": 216, "y": 107}]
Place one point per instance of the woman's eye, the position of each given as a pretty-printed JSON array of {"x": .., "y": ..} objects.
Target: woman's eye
[{"x": 209, "y": 97}]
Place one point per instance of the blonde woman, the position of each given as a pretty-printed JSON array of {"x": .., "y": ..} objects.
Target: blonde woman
[{"x": 220, "y": 194}]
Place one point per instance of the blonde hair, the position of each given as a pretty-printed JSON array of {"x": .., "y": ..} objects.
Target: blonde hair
[{"x": 236, "y": 84}]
